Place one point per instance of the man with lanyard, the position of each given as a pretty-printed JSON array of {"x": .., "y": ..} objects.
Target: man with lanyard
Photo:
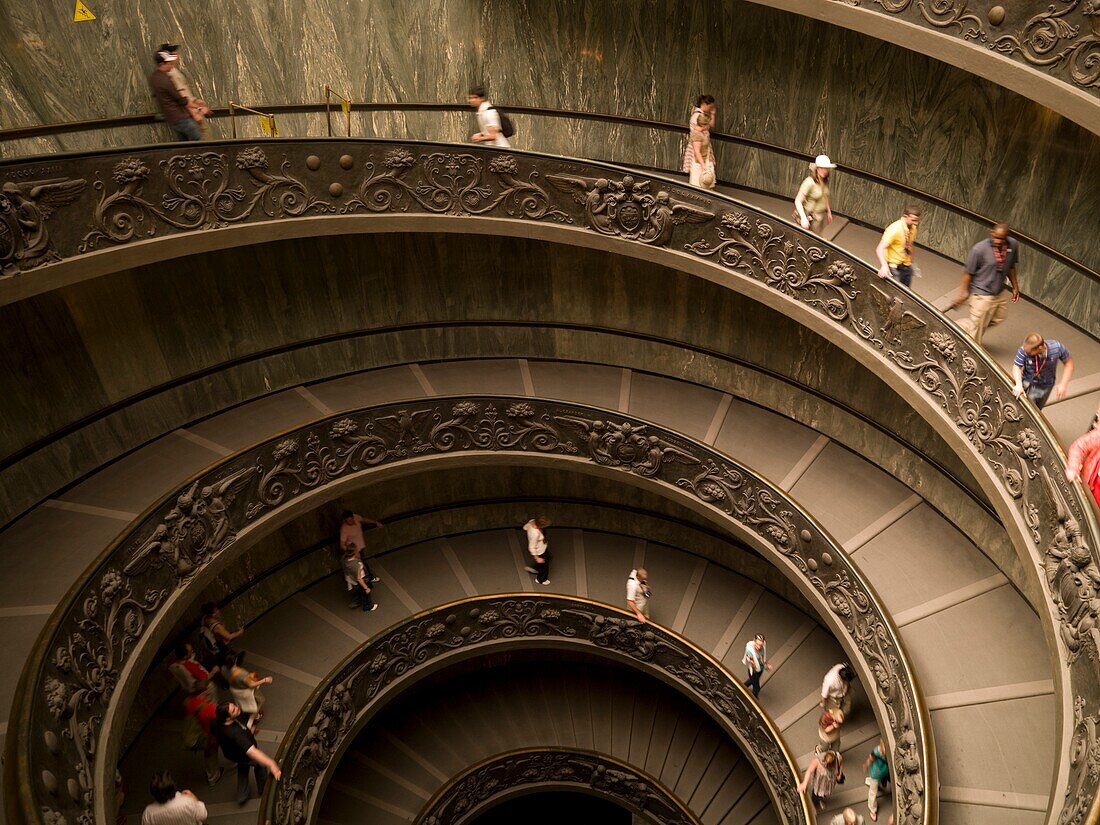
[
  {"x": 1035, "y": 369},
  {"x": 983, "y": 282},
  {"x": 895, "y": 250}
]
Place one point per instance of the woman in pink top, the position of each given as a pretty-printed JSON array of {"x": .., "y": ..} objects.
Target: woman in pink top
[{"x": 1084, "y": 459}]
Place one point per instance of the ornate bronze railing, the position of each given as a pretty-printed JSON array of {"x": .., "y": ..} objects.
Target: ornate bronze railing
[
  {"x": 238, "y": 190},
  {"x": 904, "y": 191},
  {"x": 81, "y": 678},
  {"x": 507, "y": 774},
  {"x": 362, "y": 684}
]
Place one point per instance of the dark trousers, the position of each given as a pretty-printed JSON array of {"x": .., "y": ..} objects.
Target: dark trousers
[
  {"x": 362, "y": 598},
  {"x": 754, "y": 681},
  {"x": 542, "y": 571},
  {"x": 902, "y": 273},
  {"x": 242, "y": 780}
]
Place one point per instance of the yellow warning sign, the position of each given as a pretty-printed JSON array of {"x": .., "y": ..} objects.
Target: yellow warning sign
[
  {"x": 267, "y": 125},
  {"x": 82, "y": 12},
  {"x": 346, "y": 106}
]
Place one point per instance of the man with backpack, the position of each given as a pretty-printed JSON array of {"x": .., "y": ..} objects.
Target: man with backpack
[{"x": 494, "y": 127}]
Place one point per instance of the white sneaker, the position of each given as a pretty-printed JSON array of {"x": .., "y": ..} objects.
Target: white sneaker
[
  {"x": 545, "y": 583},
  {"x": 531, "y": 570},
  {"x": 373, "y": 608}
]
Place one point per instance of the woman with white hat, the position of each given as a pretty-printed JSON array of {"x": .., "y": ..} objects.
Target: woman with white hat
[{"x": 812, "y": 201}]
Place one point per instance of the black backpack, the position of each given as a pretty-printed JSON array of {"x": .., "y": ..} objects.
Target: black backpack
[{"x": 507, "y": 128}]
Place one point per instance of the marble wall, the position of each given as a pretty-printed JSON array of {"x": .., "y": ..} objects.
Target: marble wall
[{"x": 779, "y": 78}]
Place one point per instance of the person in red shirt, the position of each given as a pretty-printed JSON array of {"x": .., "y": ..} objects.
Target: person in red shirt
[
  {"x": 186, "y": 668},
  {"x": 204, "y": 709},
  {"x": 1083, "y": 460}
]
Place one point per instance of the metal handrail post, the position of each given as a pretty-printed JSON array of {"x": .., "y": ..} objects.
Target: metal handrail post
[
  {"x": 232, "y": 119},
  {"x": 328, "y": 109}
]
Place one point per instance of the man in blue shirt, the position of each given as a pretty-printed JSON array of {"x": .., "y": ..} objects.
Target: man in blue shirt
[{"x": 1035, "y": 369}]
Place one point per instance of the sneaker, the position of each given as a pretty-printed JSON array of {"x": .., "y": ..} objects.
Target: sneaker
[
  {"x": 545, "y": 583},
  {"x": 375, "y": 580},
  {"x": 531, "y": 570},
  {"x": 217, "y": 778},
  {"x": 373, "y": 607}
]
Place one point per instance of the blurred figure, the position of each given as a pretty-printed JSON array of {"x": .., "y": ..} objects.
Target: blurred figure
[
  {"x": 638, "y": 593},
  {"x": 878, "y": 777},
  {"x": 835, "y": 688},
  {"x": 1083, "y": 461},
  {"x": 490, "y": 127},
  {"x": 704, "y": 105},
  {"x": 1035, "y": 369},
  {"x": 821, "y": 777},
  {"x": 848, "y": 817},
  {"x": 199, "y": 711},
  {"x": 828, "y": 729},
  {"x": 983, "y": 282},
  {"x": 756, "y": 660},
  {"x": 356, "y": 579},
  {"x": 216, "y": 638},
  {"x": 238, "y": 744},
  {"x": 702, "y": 155},
  {"x": 198, "y": 108},
  {"x": 538, "y": 548},
  {"x": 895, "y": 249},
  {"x": 172, "y": 104},
  {"x": 812, "y": 201},
  {"x": 169, "y": 806}
]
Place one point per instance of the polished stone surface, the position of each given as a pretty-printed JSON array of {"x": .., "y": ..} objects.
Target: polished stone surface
[{"x": 869, "y": 104}]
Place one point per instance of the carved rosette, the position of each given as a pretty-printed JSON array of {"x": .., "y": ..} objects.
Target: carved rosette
[
  {"x": 195, "y": 525},
  {"x": 310, "y": 748},
  {"x": 470, "y": 792}
]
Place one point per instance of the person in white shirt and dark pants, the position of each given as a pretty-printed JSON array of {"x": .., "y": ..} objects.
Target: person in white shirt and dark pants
[
  {"x": 488, "y": 120},
  {"x": 638, "y": 593},
  {"x": 539, "y": 548},
  {"x": 171, "y": 807},
  {"x": 756, "y": 660}
]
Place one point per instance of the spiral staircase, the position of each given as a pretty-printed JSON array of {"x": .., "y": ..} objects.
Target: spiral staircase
[{"x": 968, "y": 625}]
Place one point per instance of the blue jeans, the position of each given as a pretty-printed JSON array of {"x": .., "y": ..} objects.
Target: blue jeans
[
  {"x": 902, "y": 274},
  {"x": 1039, "y": 395},
  {"x": 187, "y": 129}
]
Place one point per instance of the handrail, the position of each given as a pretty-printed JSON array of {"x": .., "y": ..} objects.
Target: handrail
[
  {"x": 345, "y": 105},
  {"x": 44, "y": 130},
  {"x": 267, "y": 119},
  {"x": 363, "y": 681}
]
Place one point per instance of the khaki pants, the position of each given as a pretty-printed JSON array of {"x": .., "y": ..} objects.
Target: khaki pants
[{"x": 985, "y": 311}]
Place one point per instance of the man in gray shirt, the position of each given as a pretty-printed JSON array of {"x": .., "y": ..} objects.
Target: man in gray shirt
[{"x": 983, "y": 282}]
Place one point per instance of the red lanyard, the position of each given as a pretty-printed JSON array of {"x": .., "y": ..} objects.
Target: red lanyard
[{"x": 1039, "y": 366}]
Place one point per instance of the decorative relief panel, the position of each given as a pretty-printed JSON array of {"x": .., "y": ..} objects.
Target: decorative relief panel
[
  {"x": 1060, "y": 38},
  {"x": 508, "y": 773},
  {"x": 160, "y": 555},
  {"x": 311, "y": 747},
  {"x": 205, "y": 192}
]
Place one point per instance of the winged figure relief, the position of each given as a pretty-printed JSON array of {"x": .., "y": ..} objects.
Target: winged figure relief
[
  {"x": 628, "y": 209},
  {"x": 895, "y": 319},
  {"x": 24, "y": 209}
]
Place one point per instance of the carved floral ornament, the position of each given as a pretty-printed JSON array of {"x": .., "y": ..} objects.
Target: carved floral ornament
[
  {"x": 468, "y": 793},
  {"x": 164, "y": 192},
  {"x": 87, "y": 651},
  {"x": 311, "y": 748},
  {"x": 1061, "y": 38}
]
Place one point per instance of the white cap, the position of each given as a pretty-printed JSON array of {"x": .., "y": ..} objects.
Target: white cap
[
  {"x": 823, "y": 162},
  {"x": 166, "y": 57}
]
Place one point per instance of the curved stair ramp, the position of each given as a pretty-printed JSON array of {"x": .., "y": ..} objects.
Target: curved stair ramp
[
  {"x": 1052, "y": 515},
  {"x": 426, "y": 759},
  {"x": 305, "y": 637},
  {"x": 364, "y": 684}
]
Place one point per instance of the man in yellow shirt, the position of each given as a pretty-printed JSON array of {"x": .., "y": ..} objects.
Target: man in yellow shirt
[{"x": 895, "y": 250}]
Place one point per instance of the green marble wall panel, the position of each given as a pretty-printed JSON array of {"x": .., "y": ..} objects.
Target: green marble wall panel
[{"x": 779, "y": 77}]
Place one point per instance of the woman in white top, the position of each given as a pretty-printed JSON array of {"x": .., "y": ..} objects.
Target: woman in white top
[
  {"x": 488, "y": 120},
  {"x": 539, "y": 548},
  {"x": 704, "y": 105},
  {"x": 811, "y": 204}
]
